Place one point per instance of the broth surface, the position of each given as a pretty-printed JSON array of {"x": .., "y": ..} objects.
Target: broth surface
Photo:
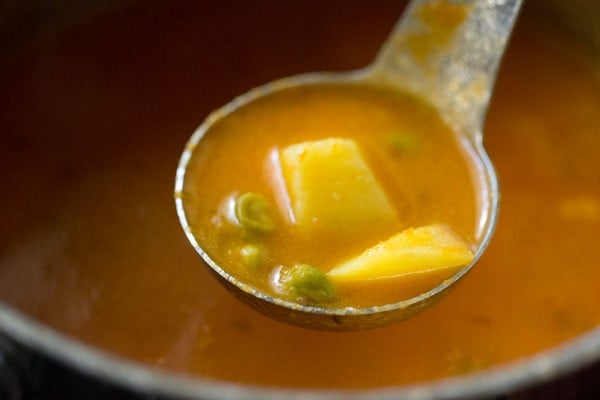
[{"x": 92, "y": 128}]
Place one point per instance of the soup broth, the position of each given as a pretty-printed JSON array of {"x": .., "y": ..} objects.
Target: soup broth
[
  {"x": 429, "y": 180},
  {"x": 92, "y": 127}
]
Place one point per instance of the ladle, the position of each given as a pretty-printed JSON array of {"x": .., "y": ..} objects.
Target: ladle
[{"x": 445, "y": 52}]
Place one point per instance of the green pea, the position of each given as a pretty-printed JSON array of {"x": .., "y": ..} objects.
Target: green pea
[
  {"x": 254, "y": 212},
  {"x": 403, "y": 142},
  {"x": 303, "y": 282},
  {"x": 252, "y": 255}
]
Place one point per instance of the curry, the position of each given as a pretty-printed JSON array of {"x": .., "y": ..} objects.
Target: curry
[
  {"x": 334, "y": 195},
  {"x": 92, "y": 127}
]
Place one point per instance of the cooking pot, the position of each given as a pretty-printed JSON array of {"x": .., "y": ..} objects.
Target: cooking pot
[{"x": 39, "y": 362}]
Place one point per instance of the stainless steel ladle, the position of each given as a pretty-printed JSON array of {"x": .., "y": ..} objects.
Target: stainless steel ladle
[{"x": 445, "y": 52}]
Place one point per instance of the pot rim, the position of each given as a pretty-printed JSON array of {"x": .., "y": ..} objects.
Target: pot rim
[{"x": 566, "y": 357}]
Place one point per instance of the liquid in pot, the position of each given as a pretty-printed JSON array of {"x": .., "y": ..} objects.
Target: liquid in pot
[{"x": 92, "y": 127}]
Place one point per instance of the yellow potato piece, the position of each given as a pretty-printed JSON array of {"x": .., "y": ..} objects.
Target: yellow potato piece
[
  {"x": 414, "y": 250},
  {"x": 332, "y": 190}
]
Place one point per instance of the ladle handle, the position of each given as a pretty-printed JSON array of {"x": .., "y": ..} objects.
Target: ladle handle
[{"x": 448, "y": 52}]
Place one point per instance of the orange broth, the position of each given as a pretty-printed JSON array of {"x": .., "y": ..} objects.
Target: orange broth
[
  {"x": 432, "y": 183},
  {"x": 92, "y": 127}
]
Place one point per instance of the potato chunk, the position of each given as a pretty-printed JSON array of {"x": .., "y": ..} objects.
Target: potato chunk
[
  {"x": 414, "y": 250},
  {"x": 332, "y": 190}
]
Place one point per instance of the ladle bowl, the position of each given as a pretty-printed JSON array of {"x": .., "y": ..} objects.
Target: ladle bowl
[{"x": 453, "y": 68}]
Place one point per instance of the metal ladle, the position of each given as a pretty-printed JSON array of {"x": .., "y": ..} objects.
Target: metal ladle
[{"x": 444, "y": 52}]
